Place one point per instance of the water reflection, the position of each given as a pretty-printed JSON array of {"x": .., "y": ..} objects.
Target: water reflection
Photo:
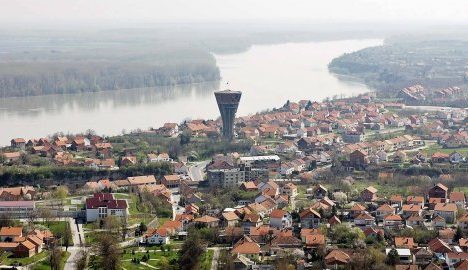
[{"x": 38, "y": 105}]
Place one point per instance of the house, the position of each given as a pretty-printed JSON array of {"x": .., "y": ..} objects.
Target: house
[
  {"x": 404, "y": 254},
  {"x": 156, "y": 237},
  {"x": 463, "y": 222},
  {"x": 320, "y": 192},
  {"x": 456, "y": 157},
  {"x": 102, "y": 205},
  {"x": 393, "y": 221},
  {"x": 229, "y": 219},
  {"x": 18, "y": 143},
  {"x": 25, "y": 249},
  {"x": 439, "y": 157},
  {"x": 396, "y": 200},
  {"x": 358, "y": 158},
  {"x": 11, "y": 156},
  {"x": 246, "y": 247},
  {"x": 136, "y": 181},
  {"x": 404, "y": 242},
  {"x": 415, "y": 221},
  {"x": 248, "y": 186},
  {"x": 383, "y": 211},
  {"x": 453, "y": 259},
  {"x": 356, "y": 210},
  {"x": 7, "y": 234},
  {"x": 207, "y": 221},
  {"x": 128, "y": 161},
  {"x": 289, "y": 189},
  {"x": 310, "y": 218},
  {"x": 280, "y": 219},
  {"x": 438, "y": 191},
  {"x": 337, "y": 258},
  {"x": 334, "y": 220},
  {"x": 17, "y": 193},
  {"x": 411, "y": 209},
  {"x": 162, "y": 157},
  {"x": 438, "y": 222},
  {"x": 458, "y": 198},
  {"x": 369, "y": 194},
  {"x": 180, "y": 168},
  {"x": 446, "y": 210},
  {"x": 364, "y": 220},
  {"x": 315, "y": 240},
  {"x": 416, "y": 200},
  {"x": 171, "y": 181},
  {"x": 423, "y": 256}
]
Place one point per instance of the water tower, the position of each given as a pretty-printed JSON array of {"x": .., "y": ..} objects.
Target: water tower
[{"x": 228, "y": 101}]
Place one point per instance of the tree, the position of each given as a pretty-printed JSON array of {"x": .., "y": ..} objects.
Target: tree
[
  {"x": 60, "y": 193},
  {"x": 6, "y": 220},
  {"x": 32, "y": 216},
  {"x": 191, "y": 251},
  {"x": 81, "y": 261},
  {"x": 46, "y": 215},
  {"x": 458, "y": 235},
  {"x": 108, "y": 252},
  {"x": 392, "y": 257},
  {"x": 55, "y": 258},
  {"x": 112, "y": 223},
  {"x": 67, "y": 235}
]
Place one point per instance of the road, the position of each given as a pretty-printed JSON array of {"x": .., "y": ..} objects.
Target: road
[
  {"x": 78, "y": 244},
  {"x": 197, "y": 171}
]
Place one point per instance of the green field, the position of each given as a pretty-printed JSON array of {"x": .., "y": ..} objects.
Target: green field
[
  {"x": 437, "y": 148},
  {"x": 24, "y": 261}
]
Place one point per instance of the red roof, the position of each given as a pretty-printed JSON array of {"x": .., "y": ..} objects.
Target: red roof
[{"x": 105, "y": 200}]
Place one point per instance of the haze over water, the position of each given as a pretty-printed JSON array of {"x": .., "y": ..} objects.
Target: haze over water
[{"x": 268, "y": 75}]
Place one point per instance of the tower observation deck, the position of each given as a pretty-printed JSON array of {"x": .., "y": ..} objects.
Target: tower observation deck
[{"x": 228, "y": 101}]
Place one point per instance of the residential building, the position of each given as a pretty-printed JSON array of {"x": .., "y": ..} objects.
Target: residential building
[{"x": 102, "y": 205}]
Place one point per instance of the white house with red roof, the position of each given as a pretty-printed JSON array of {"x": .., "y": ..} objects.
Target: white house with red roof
[{"x": 102, "y": 205}]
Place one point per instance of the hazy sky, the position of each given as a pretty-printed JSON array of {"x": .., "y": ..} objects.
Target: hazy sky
[{"x": 56, "y": 12}]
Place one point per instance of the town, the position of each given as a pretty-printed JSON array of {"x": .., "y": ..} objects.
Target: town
[{"x": 347, "y": 183}]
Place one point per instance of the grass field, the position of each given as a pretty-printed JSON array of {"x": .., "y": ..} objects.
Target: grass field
[
  {"x": 437, "y": 148},
  {"x": 24, "y": 261}
]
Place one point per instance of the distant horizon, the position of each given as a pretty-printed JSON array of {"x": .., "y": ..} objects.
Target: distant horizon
[{"x": 104, "y": 13}]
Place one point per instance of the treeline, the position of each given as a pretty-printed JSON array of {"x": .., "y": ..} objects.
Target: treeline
[
  {"x": 15, "y": 175},
  {"x": 44, "y": 78}
]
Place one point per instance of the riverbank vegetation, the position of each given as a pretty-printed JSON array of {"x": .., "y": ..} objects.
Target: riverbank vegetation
[{"x": 405, "y": 62}]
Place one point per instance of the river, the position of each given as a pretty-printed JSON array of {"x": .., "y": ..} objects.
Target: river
[{"x": 268, "y": 75}]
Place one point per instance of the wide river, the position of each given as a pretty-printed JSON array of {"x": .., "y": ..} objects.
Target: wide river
[{"x": 268, "y": 75}]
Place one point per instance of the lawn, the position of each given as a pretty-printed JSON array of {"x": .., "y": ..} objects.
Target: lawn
[
  {"x": 92, "y": 237},
  {"x": 44, "y": 265},
  {"x": 57, "y": 228},
  {"x": 24, "y": 261},
  {"x": 155, "y": 256},
  {"x": 438, "y": 148}
]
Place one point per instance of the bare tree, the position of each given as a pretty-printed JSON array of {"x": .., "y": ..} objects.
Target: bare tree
[
  {"x": 82, "y": 261},
  {"x": 55, "y": 257}
]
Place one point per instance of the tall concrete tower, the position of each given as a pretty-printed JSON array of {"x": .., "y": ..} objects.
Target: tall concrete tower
[{"x": 228, "y": 101}]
